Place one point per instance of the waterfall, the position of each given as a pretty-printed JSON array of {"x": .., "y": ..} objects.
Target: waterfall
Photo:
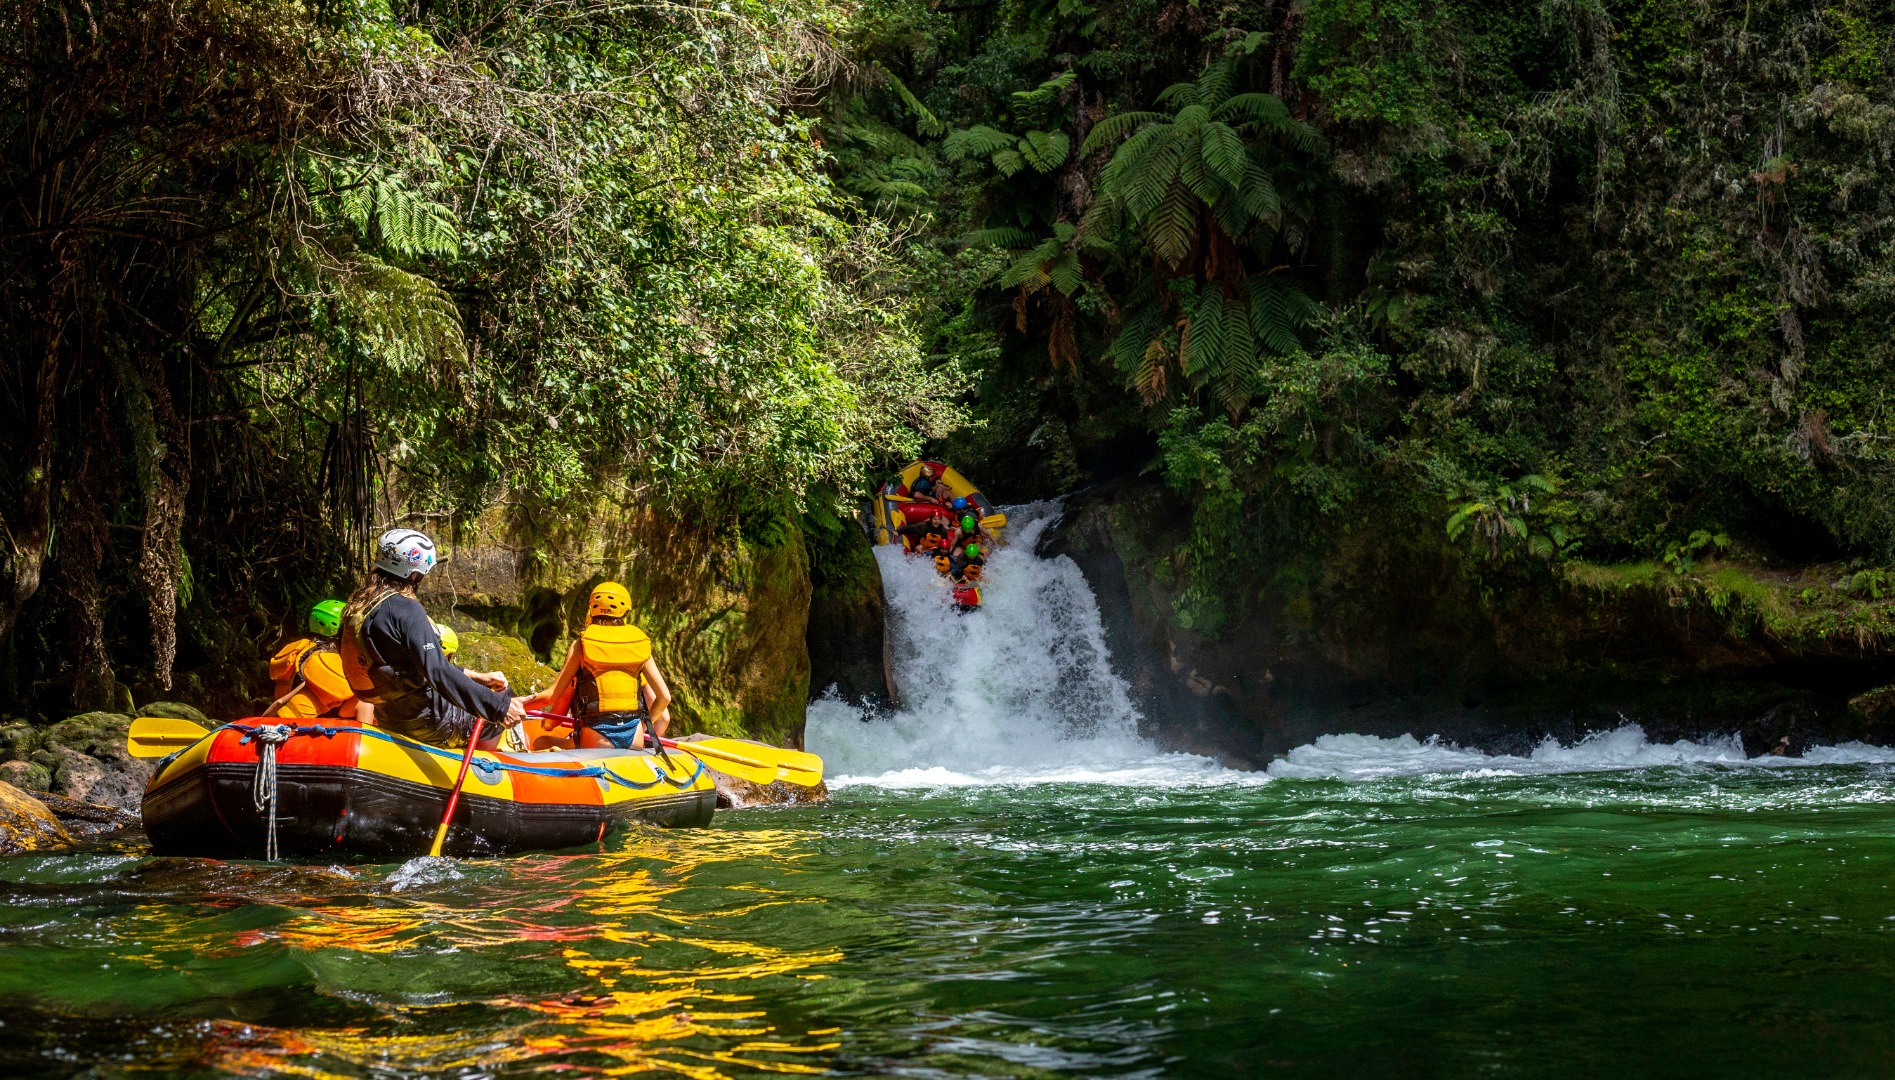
[{"x": 1020, "y": 691}]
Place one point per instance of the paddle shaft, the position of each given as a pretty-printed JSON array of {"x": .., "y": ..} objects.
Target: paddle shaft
[{"x": 454, "y": 797}]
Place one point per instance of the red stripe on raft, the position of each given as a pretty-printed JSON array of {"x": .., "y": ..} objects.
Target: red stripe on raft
[{"x": 343, "y": 748}]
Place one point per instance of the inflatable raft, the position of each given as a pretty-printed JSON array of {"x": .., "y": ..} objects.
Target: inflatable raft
[
  {"x": 339, "y": 788},
  {"x": 892, "y": 508}
]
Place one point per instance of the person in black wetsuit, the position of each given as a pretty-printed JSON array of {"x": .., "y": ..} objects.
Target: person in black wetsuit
[{"x": 392, "y": 655}]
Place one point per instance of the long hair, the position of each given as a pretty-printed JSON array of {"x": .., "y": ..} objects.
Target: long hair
[{"x": 379, "y": 581}]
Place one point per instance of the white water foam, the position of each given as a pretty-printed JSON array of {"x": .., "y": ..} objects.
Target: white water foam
[
  {"x": 1369, "y": 757},
  {"x": 1021, "y": 691}
]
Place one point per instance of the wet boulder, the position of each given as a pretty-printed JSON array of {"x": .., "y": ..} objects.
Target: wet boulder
[
  {"x": 734, "y": 793},
  {"x": 89, "y": 762},
  {"x": 26, "y": 824}
]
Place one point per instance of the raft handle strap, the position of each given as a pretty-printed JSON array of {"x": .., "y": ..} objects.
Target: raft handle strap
[{"x": 263, "y": 789}]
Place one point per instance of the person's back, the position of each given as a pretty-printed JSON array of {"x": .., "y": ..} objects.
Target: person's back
[
  {"x": 391, "y": 655},
  {"x": 310, "y": 682},
  {"x": 608, "y": 672}
]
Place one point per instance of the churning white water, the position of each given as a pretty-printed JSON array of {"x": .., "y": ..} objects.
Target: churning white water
[{"x": 1022, "y": 692}]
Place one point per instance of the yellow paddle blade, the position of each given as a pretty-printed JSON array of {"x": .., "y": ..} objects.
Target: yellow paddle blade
[
  {"x": 756, "y": 774},
  {"x": 767, "y": 762},
  {"x": 161, "y": 736},
  {"x": 994, "y": 521}
]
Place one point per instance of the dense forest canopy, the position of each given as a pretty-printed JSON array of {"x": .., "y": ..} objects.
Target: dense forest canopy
[
  {"x": 1534, "y": 282},
  {"x": 280, "y": 273},
  {"x": 1528, "y": 283}
]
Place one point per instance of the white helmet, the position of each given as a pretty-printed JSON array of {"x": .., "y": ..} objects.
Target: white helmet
[{"x": 404, "y": 551}]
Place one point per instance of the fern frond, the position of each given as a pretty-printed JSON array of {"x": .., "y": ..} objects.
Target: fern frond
[
  {"x": 1099, "y": 226},
  {"x": 1178, "y": 95},
  {"x": 1258, "y": 195},
  {"x": 1172, "y": 225},
  {"x": 1203, "y": 355},
  {"x": 406, "y": 317},
  {"x": 1224, "y": 155},
  {"x": 1215, "y": 83},
  {"x": 925, "y": 121},
  {"x": 1066, "y": 275},
  {"x": 976, "y": 142},
  {"x": 1116, "y": 127},
  {"x": 1191, "y": 118},
  {"x": 1028, "y": 272},
  {"x": 1148, "y": 378},
  {"x": 1154, "y": 174},
  {"x": 1009, "y": 161},
  {"x": 1045, "y": 150},
  {"x": 1003, "y": 236},
  {"x": 1277, "y": 312},
  {"x": 1192, "y": 174}
]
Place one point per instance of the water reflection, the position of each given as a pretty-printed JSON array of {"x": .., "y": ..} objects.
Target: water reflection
[{"x": 645, "y": 958}]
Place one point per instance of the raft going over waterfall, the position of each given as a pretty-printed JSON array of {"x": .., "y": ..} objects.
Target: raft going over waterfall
[
  {"x": 895, "y": 504},
  {"x": 338, "y": 787}
]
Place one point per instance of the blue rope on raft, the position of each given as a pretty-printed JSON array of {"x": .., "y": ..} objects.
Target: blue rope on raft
[{"x": 484, "y": 765}]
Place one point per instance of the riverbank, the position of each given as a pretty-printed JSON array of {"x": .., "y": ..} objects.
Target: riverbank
[{"x": 1393, "y": 635}]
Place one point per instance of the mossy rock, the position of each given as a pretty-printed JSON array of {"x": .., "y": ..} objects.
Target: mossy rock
[
  {"x": 96, "y": 734},
  {"x": 18, "y": 741},
  {"x": 174, "y": 710},
  {"x": 26, "y": 775},
  {"x": 509, "y": 655}
]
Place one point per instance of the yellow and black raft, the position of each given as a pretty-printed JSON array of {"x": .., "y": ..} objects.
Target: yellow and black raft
[
  {"x": 337, "y": 787},
  {"x": 893, "y": 506}
]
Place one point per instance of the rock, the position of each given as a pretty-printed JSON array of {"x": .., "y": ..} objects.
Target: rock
[
  {"x": 847, "y": 616},
  {"x": 87, "y": 819},
  {"x": 26, "y": 775},
  {"x": 26, "y": 824},
  {"x": 89, "y": 760},
  {"x": 18, "y": 741},
  {"x": 1387, "y": 634},
  {"x": 737, "y": 794},
  {"x": 175, "y": 710},
  {"x": 510, "y": 655}
]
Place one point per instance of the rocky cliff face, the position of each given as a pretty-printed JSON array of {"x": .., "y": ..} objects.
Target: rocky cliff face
[
  {"x": 1389, "y": 635},
  {"x": 847, "y": 617},
  {"x": 726, "y": 613}
]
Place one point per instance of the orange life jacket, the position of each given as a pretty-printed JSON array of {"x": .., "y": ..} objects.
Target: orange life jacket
[
  {"x": 288, "y": 661},
  {"x": 614, "y": 656},
  {"x": 325, "y": 689},
  {"x": 941, "y": 563}
]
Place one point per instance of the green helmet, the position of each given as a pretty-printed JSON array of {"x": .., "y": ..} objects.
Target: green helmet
[
  {"x": 326, "y": 618},
  {"x": 973, "y": 551},
  {"x": 968, "y": 523}
]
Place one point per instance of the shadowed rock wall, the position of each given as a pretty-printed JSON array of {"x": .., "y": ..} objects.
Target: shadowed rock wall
[{"x": 1389, "y": 636}]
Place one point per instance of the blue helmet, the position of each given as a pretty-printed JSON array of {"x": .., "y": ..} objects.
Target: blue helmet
[{"x": 960, "y": 503}]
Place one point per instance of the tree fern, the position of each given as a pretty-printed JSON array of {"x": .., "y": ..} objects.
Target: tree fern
[
  {"x": 1115, "y": 127},
  {"x": 1045, "y": 150},
  {"x": 1213, "y": 163}
]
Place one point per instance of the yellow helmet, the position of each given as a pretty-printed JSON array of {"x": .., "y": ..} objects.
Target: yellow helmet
[
  {"x": 450, "y": 641},
  {"x": 609, "y": 599}
]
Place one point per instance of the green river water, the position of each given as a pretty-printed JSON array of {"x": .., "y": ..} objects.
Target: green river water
[{"x": 1699, "y": 919}]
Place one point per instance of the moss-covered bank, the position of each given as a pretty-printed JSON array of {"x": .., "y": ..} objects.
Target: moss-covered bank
[{"x": 1392, "y": 634}]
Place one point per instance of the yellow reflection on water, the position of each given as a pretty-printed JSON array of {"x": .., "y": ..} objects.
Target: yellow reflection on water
[{"x": 619, "y": 923}]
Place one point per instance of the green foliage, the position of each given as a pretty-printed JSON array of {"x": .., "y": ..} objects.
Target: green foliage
[{"x": 331, "y": 266}]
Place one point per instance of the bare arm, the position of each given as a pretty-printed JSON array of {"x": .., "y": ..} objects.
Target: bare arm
[
  {"x": 567, "y": 673},
  {"x": 660, "y": 703}
]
